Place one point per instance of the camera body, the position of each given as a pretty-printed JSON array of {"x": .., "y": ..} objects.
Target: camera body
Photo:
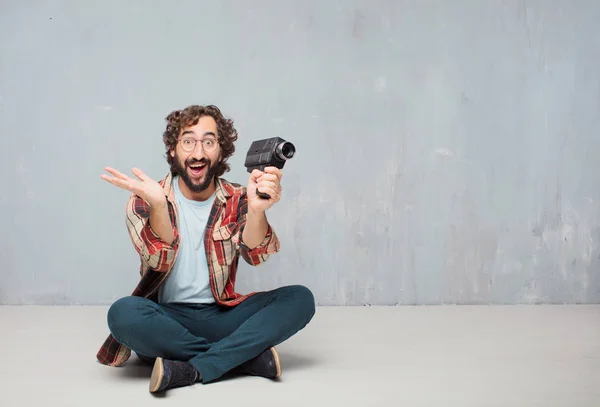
[{"x": 269, "y": 152}]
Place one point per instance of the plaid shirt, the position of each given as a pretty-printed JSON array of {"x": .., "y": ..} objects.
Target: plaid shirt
[{"x": 223, "y": 244}]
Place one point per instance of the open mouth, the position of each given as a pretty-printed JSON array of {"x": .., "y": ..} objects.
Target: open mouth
[{"x": 197, "y": 169}]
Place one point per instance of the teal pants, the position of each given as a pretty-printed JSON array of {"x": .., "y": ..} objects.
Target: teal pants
[{"x": 213, "y": 338}]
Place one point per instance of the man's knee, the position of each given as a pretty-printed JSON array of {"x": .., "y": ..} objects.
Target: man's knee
[
  {"x": 122, "y": 314},
  {"x": 304, "y": 299}
]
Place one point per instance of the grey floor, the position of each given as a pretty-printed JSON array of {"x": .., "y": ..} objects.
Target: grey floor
[{"x": 360, "y": 356}]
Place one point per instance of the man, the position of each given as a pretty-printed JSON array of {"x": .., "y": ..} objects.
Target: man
[{"x": 189, "y": 230}]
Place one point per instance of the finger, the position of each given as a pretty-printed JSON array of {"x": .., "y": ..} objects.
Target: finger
[
  {"x": 116, "y": 173},
  {"x": 268, "y": 184},
  {"x": 140, "y": 174},
  {"x": 274, "y": 170},
  {"x": 255, "y": 174},
  {"x": 118, "y": 182},
  {"x": 268, "y": 177}
]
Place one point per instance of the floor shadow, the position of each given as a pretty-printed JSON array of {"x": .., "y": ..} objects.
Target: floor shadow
[
  {"x": 296, "y": 361},
  {"x": 135, "y": 368}
]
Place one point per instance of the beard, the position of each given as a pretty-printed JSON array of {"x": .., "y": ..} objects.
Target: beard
[{"x": 182, "y": 170}]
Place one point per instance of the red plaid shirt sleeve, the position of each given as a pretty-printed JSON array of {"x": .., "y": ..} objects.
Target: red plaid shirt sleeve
[
  {"x": 154, "y": 252},
  {"x": 260, "y": 253},
  {"x": 269, "y": 245}
]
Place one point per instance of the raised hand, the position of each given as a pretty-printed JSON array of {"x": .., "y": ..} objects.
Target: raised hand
[
  {"x": 145, "y": 187},
  {"x": 268, "y": 182}
]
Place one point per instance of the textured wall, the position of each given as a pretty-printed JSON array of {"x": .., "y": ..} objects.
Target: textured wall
[{"x": 447, "y": 151}]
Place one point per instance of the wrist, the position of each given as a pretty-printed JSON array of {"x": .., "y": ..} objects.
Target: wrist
[
  {"x": 255, "y": 212},
  {"x": 255, "y": 228},
  {"x": 255, "y": 217},
  {"x": 159, "y": 205}
]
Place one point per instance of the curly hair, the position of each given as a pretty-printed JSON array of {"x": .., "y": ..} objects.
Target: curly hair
[{"x": 179, "y": 120}]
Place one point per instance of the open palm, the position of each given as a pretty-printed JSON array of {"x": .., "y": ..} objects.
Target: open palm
[{"x": 145, "y": 187}]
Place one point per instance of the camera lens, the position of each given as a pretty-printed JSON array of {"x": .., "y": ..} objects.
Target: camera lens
[{"x": 285, "y": 150}]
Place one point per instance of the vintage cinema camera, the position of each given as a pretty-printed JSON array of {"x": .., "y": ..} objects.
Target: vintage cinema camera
[{"x": 270, "y": 152}]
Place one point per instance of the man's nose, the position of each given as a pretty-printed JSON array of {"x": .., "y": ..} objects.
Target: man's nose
[{"x": 198, "y": 151}]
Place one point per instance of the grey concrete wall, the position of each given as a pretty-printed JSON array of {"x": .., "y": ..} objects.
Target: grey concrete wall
[{"x": 447, "y": 151}]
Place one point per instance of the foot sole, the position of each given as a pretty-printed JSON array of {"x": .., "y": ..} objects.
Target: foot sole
[
  {"x": 158, "y": 372},
  {"x": 276, "y": 357}
]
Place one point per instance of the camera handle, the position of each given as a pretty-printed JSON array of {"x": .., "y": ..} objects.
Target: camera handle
[{"x": 262, "y": 195}]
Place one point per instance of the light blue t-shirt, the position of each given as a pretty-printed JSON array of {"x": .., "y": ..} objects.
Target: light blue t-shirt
[{"x": 188, "y": 281}]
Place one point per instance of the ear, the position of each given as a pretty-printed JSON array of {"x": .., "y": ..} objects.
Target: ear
[{"x": 172, "y": 152}]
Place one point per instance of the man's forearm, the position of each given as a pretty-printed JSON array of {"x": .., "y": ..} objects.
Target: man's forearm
[
  {"x": 255, "y": 229},
  {"x": 161, "y": 222}
]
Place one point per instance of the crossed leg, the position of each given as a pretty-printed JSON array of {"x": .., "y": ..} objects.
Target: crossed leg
[{"x": 214, "y": 339}]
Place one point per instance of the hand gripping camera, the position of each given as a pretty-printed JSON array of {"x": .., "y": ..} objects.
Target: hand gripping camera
[{"x": 271, "y": 152}]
